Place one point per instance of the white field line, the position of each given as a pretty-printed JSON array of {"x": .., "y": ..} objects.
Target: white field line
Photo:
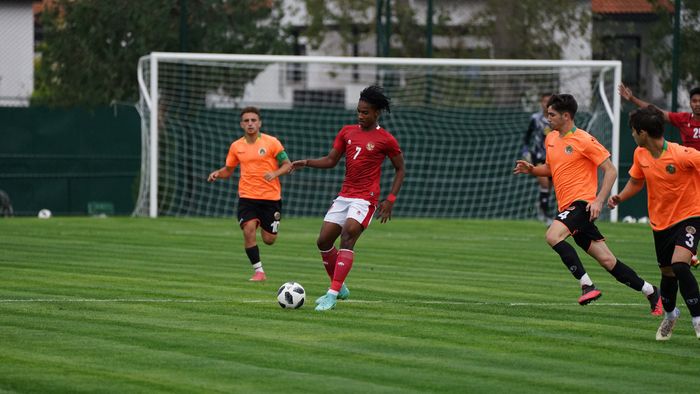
[{"x": 272, "y": 300}]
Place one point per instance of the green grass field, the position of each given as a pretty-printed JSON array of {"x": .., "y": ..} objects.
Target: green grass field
[{"x": 140, "y": 305}]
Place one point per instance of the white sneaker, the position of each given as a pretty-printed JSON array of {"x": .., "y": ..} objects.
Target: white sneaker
[
  {"x": 666, "y": 328},
  {"x": 696, "y": 326}
]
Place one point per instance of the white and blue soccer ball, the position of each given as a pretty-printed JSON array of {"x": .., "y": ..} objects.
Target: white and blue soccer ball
[
  {"x": 44, "y": 214},
  {"x": 291, "y": 295}
]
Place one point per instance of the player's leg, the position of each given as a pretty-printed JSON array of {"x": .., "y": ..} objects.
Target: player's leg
[
  {"x": 251, "y": 249},
  {"x": 330, "y": 231},
  {"x": 359, "y": 215},
  {"x": 249, "y": 222},
  {"x": 687, "y": 283},
  {"x": 270, "y": 214},
  {"x": 326, "y": 245},
  {"x": 593, "y": 242},
  {"x": 564, "y": 223},
  {"x": 664, "y": 243}
]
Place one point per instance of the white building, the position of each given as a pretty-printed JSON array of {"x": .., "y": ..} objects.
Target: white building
[{"x": 16, "y": 52}]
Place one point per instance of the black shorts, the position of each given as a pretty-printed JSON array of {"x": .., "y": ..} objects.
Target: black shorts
[
  {"x": 267, "y": 212},
  {"x": 683, "y": 234},
  {"x": 578, "y": 221}
]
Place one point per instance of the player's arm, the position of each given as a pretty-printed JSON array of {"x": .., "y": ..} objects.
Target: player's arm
[
  {"x": 632, "y": 187},
  {"x": 524, "y": 167},
  {"x": 626, "y": 93},
  {"x": 609, "y": 176},
  {"x": 386, "y": 206},
  {"x": 328, "y": 161},
  {"x": 223, "y": 173},
  {"x": 285, "y": 167}
]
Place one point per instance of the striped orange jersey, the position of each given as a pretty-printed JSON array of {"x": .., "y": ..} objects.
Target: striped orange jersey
[
  {"x": 673, "y": 183},
  {"x": 573, "y": 158},
  {"x": 256, "y": 159}
]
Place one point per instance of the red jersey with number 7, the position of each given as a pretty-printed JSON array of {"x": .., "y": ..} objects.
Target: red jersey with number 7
[{"x": 365, "y": 151}]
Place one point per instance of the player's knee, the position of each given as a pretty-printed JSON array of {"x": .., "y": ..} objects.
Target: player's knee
[
  {"x": 324, "y": 244},
  {"x": 347, "y": 240},
  {"x": 607, "y": 261},
  {"x": 553, "y": 238},
  {"x": 268, "y": 238},
  {"x": 667, "y": 271}
]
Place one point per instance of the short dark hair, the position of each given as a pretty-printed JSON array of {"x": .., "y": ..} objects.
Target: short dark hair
[
  {"x": 254, "y": 110},
  {"x": 374, "y": 96},
  {"x": 563, "y": 103},
  {"x": 649, "y": 119},
  {"x": 693, "y": 92}
]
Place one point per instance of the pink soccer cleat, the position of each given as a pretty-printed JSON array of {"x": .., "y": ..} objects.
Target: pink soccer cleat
[{"x": 258, "y": 277}]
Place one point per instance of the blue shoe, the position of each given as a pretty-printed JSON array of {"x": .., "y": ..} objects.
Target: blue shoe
[
  {"x": 344, "y": 293},
  {"x": 320, "y": 299},
  {"x": 327, "y": 303}
]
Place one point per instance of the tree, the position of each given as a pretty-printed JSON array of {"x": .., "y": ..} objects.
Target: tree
[
  {"x": 519, "y": 29},
  {"x": 91, "y": 48},
  {"x": 531, "y": 29},
  {"x": 661, "y": 47}
]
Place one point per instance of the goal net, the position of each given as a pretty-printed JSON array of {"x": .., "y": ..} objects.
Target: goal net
[{"x": 460, "y": 124}]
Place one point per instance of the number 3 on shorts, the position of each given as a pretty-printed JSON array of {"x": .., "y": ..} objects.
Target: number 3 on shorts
[{"x": 690, "y": 240}]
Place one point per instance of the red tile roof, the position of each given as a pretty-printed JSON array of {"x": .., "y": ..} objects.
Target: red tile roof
[{"x": 627, "y": 6}]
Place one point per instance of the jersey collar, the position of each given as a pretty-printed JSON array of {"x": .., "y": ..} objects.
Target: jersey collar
[{"x": 570, "y": 132}]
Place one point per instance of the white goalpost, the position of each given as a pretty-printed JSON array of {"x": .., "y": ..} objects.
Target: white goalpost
[{"x": 460, "y": 123}]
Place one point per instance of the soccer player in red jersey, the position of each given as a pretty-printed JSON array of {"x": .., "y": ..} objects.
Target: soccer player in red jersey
[
  {"x": 573, "y": 159},
  {"x": 687, "y": 122},
  {"x": 263, "y": 160},
  {"x": 672, "y": 177},
  {"x": 365, "y": 145}
]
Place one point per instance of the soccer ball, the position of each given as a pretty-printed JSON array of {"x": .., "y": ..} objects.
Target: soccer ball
[
  {"x": 291, "y": 295},
  {"x": 44, "y": 214}
]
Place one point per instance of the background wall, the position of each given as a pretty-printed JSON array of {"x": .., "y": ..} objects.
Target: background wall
[{"x": 64, "y": 159}]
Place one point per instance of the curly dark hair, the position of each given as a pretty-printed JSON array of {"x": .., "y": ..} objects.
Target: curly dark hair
[{"x": 374, "y": 96}]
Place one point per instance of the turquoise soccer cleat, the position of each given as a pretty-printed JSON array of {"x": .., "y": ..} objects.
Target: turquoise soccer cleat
[
  {"x": 344, "y": 293},
  {"x": 320, "y": 299},
  {"x": 327, "y": 303}
]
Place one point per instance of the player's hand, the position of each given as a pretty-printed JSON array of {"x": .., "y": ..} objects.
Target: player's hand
[
  {"x": 594, "y": 209},
  {"x": 523, "y": 167},
  {"x": 625, "y": 92},
  {"x": 614, "y": 201},
  {"x": 297, "y": 164},
  {"x": 213, "y": 176},
  {"x": 385, "y": 210},
  {"x": 269, "y": 176}
]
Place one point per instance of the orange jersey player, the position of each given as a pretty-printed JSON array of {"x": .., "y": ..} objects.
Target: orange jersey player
[
  {"x": 672, "y": 176},
  {"x": 263, "y": 160},
  {"x": 573, "y": 159}
]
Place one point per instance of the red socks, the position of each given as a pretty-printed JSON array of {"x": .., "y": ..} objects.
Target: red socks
[
  {"x": 343, "y": 266},
  {"x": 329, "y": 258}
]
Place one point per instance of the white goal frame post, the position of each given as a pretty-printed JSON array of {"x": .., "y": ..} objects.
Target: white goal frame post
[{"x": 148, "y": 86}]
